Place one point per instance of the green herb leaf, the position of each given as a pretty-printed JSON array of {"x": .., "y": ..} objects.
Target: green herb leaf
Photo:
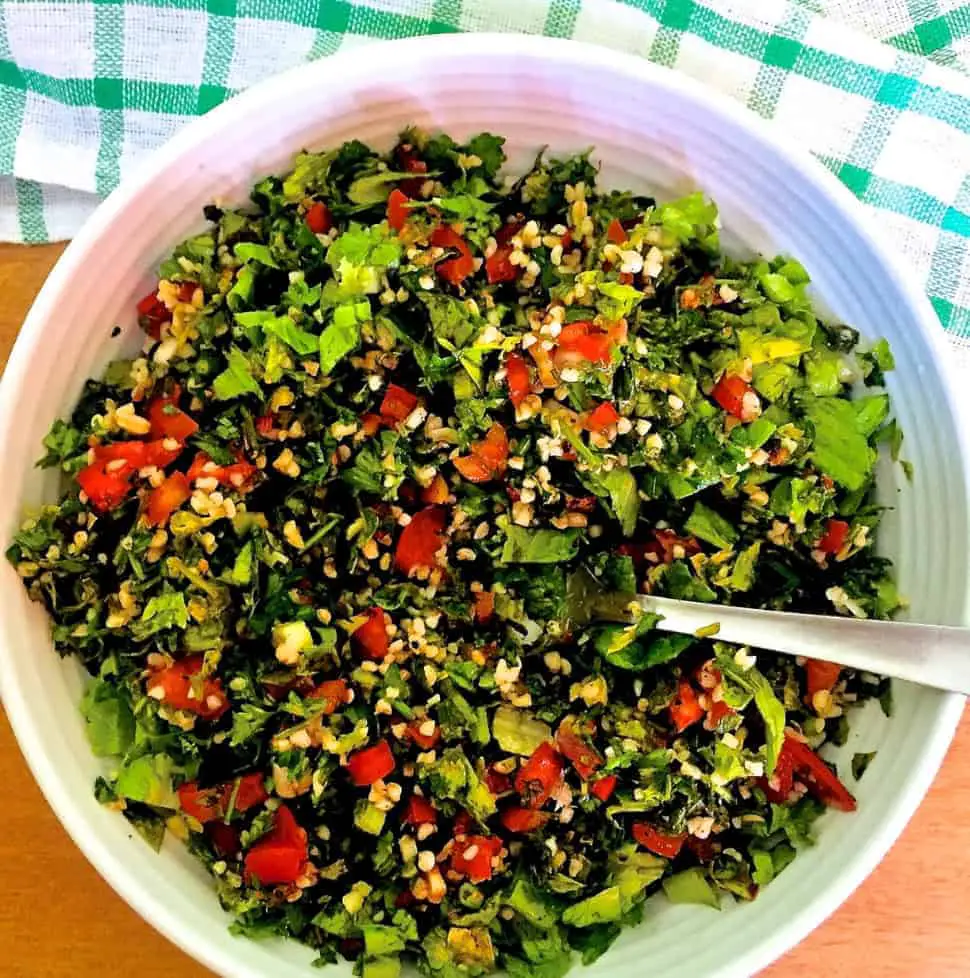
[
  {"x": 236, "y": 379},
  {"x": 523, "y": 546},
  {"x": 109, "y": 721},
  {"x": 711, "y": 526}
]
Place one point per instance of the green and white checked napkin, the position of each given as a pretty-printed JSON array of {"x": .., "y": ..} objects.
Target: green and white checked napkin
[{"x": 878, "y": 90}]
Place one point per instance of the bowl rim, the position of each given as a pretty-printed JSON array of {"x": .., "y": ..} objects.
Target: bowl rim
[{"x": 340, "y": 67}]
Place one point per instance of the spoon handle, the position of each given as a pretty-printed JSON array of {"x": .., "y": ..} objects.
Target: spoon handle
[{"x": 931, "y": 655}]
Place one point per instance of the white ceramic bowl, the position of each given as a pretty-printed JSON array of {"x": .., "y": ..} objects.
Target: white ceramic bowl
[{"x": 651, "y": 129}]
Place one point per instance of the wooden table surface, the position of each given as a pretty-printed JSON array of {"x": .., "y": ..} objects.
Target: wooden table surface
[{"x": 58, "y": 918}]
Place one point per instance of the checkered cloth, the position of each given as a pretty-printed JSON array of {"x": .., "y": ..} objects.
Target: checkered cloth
[{"x": 88, "y": 88}]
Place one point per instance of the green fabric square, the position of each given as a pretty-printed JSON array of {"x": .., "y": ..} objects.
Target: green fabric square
[
  {"x": 677, "y": 14},
  {"x": 782, "y": 52},
  {"x": 222, "y": 8},
  {"x": 896, "y": 91},
  {"x": 957, "y": 222},
  {"x": 855, "y": 178},
  {"x": 11, "y": 76},
  {"x": 109, "y": 93},
  {"x": 210, "y": 96},
  {"x": 933, "y": 35},
  {"x": 333, "y": 15}
]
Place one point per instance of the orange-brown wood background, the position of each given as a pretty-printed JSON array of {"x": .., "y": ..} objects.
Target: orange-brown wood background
[{"x": 58, "y": 918}]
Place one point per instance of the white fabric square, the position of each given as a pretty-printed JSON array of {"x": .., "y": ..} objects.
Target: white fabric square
[
  {"x": 961, "y": 296},
  {"x": 826, "y": 36},
  {"x": 946, "y": 78},
  {"x": 882, "y": 19},
  {"x": 504, "y": 15},
  {"x": 9, "y": 214},
  {"x": 58, "y": 143},
  {"x": 54, "y": 38},
  {"x": 144, "y": 132},
  {"x": 265, "y": 47},
  {"x": 352, "y": 42},
  {"x": 66, "y": 210},
  {"x": 620, "y": 27},
  {"x": 925, "y": 153},
  {"x": 914, "y": 243},
  {"x": 762, "y": 15},
  {"x": 727, "y": 71},
  {"x": 824, "y": 119},
  {"x": 410, "y": 8},
  {"x": 164, "y": 45}
]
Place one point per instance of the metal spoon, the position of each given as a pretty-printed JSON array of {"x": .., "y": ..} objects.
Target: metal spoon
[{"x": 931, "y": 655}]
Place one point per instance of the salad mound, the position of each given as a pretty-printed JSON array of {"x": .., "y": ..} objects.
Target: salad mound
[{"x": 351, "y": 550}]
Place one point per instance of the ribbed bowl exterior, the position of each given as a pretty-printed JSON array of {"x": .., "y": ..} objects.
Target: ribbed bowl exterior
[{"x": 652, "y": 130}]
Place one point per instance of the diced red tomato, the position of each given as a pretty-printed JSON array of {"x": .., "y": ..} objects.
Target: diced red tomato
[
  {"x": 178, "y": 686},
  {"x": 398, "y": 209},
  {"x": 584, "y": 758},
  {"x": 106, "y": 480},
  {"x": 730, "y": 392},
  {"x": 334, "y": 692},
  {"x": 423, "y": 740},
  {"x": 404, "y": 899},
  {"x": 616, "y": 232},
  {"x": 685, "y": 709},
  {"x": 185, "y": 291},
  {"x": 582, "y": 342},
  {"x": 370, "y": 640},
  {"x": 497, "y": 782},
  {"x": 463, "y": 825},
  {"x": 370, "y": 424},
  {"x": 152, "y": 314},
  {"x": 168, "y": 420},
  {"x": 484, "y": 605},
  {"x": 409, "y": 161},
  {"x": 202, "y": 804},
  {"x": 820, "y": 676},
  {"x": 166, "y": 498},
  {"x": 488, "y": 458},
  {"x": 370, "y": 764},
  {"x": 538, "y": 777},
  {"x": 818, "y": 776},
  {"x": 420, "y": 540},
  {"x": 834, "y": 537},
  {"x": 498, "y": 267},
  {"x": 419, "y": 811},
  {"x": 279, "y": 856},
  {"x": 318, "y": 218},
  {"x": 482, "y": 849},
  {"x": 704, "y": 850},
  {"x": 667, "y": 547},
  {"x": 517, "y": 819},
  {"x": 437, "y": 493},
  {"x": 601, "y": 417},
  {"x": 249, "y": 793},
  {"x": 779, "y": 786},
  {"x": 224, "y": 838},
  {"x": 453, "y": 270},
  {"x": 718, "y": 711},
  {"x": 105, "y": 490},
  {"x": 398, "y": 403},
  {"x": 604, "y": 787},
  {"x": 236, "y": 475},
  {"x": 659, "y": 843},
  {"x": 518, "y": 378},
  {"x": 472, "y": 468},
  {"x": 580, "y": 504}
]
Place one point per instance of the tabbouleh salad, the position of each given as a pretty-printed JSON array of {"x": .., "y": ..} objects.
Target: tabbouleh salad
[{"x": 351, "y": 547}]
